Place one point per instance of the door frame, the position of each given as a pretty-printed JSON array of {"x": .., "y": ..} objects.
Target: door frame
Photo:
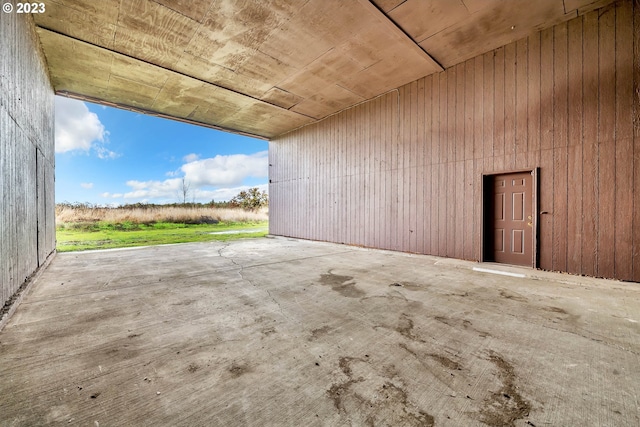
[{"x": 486, "y": 221}]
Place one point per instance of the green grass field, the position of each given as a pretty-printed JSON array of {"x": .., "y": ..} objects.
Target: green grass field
[{"x": 105, "y": 235}]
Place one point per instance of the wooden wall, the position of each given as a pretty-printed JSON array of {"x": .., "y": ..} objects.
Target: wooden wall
[
  {"x": 404, "y": 171},
  {"x": 27, "y": 209}
]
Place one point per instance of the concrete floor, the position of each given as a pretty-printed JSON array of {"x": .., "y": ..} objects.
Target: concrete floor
[{"x": 278, "y": 332}]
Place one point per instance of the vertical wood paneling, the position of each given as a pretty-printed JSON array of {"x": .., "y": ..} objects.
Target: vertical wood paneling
[
  {"x": 590, "y": 145},
  {"x": 458, "y": 171},
  {"x": 545, "y": 220},
  {"x": 522, "y": 102},
  {"x": 488, "y": 96},
  {"x": 574, "y": 134},
  {"x": 392, "y": 197},
  {"x": 367, "y": 178},
  {"x": 377, "y": 190},
  {"x": 27, "y": 212},
  {"x": 636, "y": 144},
  {"x": 420, "y": 167},
  {"x": 560, "y": 148},
  {"x": 624, "y": 142},
  {"x": 449, "y": 164},
  {"x": 498, "y": 110},
  {"x": 606, "y": 142},
  {"x": 409, "y": 201},
  {"x": 404, "y": 171},
  {"x": 478, "y": 154},
  {"x": 510, "y": 107},
  {"x": 533, "y": 100},
  {"x": 428, "y": 162},
  {"x": 443, "y": 235},
  {"x": 435, "y": 145},
  {"x": 468, "y": 196}
]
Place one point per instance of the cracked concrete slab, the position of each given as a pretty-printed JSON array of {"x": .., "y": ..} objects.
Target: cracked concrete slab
[{"x": 280, "y": 332}]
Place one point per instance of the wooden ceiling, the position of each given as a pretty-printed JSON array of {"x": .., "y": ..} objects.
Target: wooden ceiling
[{"x": 266, "y": 67}]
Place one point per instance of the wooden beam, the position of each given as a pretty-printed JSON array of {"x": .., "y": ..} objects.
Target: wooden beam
[{"x": 394, "y": 29}]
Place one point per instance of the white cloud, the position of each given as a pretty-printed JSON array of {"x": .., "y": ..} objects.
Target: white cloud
[
  {"x": 168, "y": 189},
  {"x": 108, "y": 195},
  {"x": 218, "y": 178},
  {"x": 103, "y": 153},
  {"x": 78, "y": 129},
  {"x": 86, "y": 185},
  {"x": 191, "y": 157},
  {"x": 228, "y": 170}
]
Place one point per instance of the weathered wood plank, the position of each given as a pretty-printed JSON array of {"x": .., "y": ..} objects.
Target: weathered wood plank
[
  {"x": 468, "y": 197},
  {"x": 574, "y": 138},
  {"x": 590, "y": 146},
  {"x": 478, "y": 154},
  {"x": 636, "y": 145},
  {"x": 435, "y": 177},
  {"x": 26, "y": 128},
  {"x": 477, "y": 119},
  {"x": 401, "y": 146},
  {"x": 499, "y": 113},
  {"x": 450, "y": 129},
  {"x": 510, "y": 93},
  {"x": 533, "y": 101},
  {"x": 488, "y": 110},
  {"x": 624, "y": 142},
  {"x": 428, "y": 162},
  {"x": 413, "y": 200},
  {"x": 458, "y": 177},
  {"x": 546, "y": 89},
  {"x": 546, "y": 207},
  {"x": 420, "y": 166},
  {"x": 522, "y": 103},
  {"x": 606, "y": 143},
  {"x": 560, "y": 151}
]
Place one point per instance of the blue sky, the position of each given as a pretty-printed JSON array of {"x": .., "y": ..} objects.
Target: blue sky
[{"x": 108, "y": 156}]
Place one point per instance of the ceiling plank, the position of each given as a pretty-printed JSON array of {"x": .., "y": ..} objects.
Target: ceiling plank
[
  {"x": 392, "y": 28},
  {"x": 496, "y": 25},
  {"x": 86, "y": 20},
  {"x": 93, "y": 72},
  {"x": 421, "y": 22}
]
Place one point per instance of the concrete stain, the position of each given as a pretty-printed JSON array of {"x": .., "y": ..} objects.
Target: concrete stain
[
  {"x": 506, "y": 405},
  {"x": 238, "y": 369},
  {"x": 409, "y": 286},
  {"x": 341, "y": 284},
  {"x": 512, "y": 296},
  {"x": 445, "y": 361},
  {"x": 388, "y": 405},
  {"x": 461, "y": 324},
  {"x": 405, "y": 328},
  {"x": 318, "y": 332},
  {"x": 266, "y": 331}
]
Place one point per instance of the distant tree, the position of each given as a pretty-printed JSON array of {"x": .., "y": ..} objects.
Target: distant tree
[
  {"x": 185, "y": 190},
  {"x": 250, "y": 200}
]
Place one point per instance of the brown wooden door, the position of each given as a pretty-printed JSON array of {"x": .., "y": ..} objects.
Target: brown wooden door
[{"x": 512, "y": 218}]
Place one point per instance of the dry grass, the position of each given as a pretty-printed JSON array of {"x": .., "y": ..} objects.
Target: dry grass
[{"x": 155, "y": 214}]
